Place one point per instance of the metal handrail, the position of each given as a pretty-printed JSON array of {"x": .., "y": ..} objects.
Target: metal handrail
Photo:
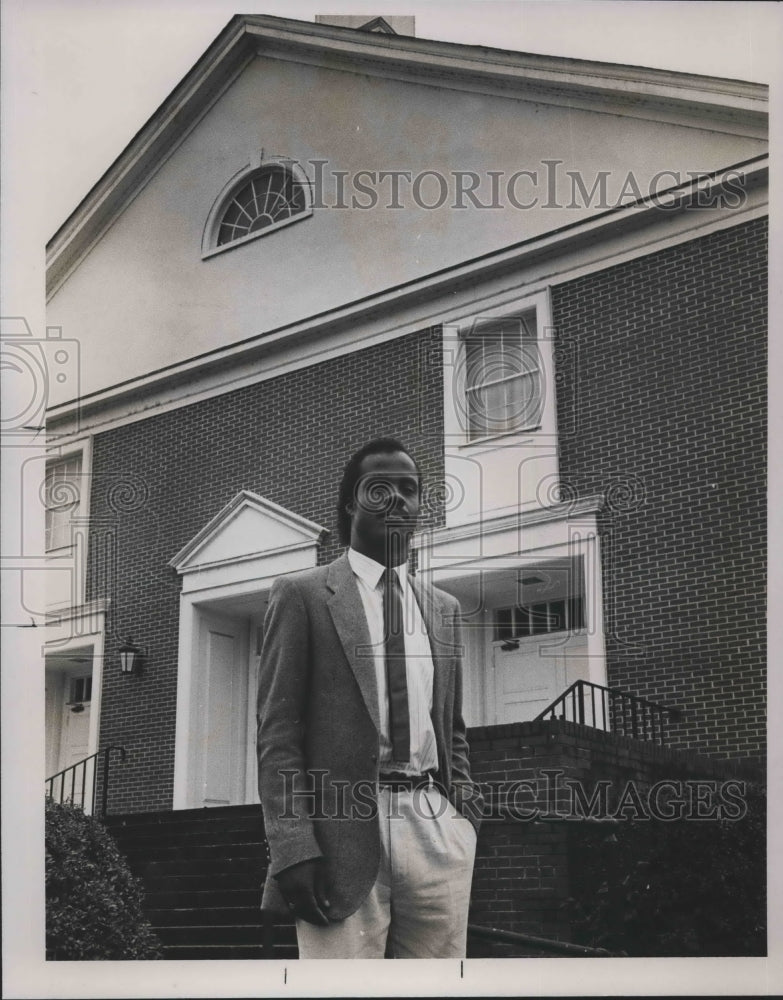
[
  {"x": 532, "y": 941},
  {"x": 611, "y": 710},
  {"x": 82, "y": 765}
]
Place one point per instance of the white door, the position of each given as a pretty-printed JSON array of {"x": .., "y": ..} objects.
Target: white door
[
  {"x": 525, "y": 681},
  {"x": 75, "y": 742},
  {"x": 221, "y": 708}
]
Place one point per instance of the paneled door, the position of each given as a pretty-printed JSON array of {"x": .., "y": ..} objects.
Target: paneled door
[{"x": 221, "y": 710}]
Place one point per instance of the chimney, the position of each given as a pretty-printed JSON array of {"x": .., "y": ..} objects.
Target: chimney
[{"x": 391, "y": 25}]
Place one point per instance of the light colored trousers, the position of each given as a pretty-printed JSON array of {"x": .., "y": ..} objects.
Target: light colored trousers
[{"x": 420, "y": 898}]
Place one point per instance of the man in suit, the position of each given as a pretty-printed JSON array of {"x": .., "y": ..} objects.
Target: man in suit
[{"x": 370, "y": 813}]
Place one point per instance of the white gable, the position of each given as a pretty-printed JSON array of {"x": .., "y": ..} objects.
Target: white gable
[
  {"x": 250, "y": 539},
  {"x": 549, "y": 142}
]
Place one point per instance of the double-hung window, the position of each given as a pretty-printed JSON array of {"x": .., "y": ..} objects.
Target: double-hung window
[
  {"x": 63, "y": 495},
  {"x": 504, "y": 382}
]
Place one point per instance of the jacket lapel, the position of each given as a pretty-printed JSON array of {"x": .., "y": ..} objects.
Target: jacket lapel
[{"x": 347, "y": 611}]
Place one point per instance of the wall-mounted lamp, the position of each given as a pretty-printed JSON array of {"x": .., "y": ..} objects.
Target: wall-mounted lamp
[{"x": 130, "y": 657}]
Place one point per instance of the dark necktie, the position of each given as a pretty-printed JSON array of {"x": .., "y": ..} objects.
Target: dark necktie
[{"x": 396, "y": 680}]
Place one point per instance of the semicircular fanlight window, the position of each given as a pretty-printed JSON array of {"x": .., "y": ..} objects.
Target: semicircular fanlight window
[{"x": 270, "y": 196}]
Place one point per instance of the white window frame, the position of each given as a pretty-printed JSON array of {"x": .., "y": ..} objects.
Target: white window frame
[
  {"x": 209, "y": 244},
  {"x": 456, "y": 334},
  {"x": 491, "y": 332},
  {"x": 77, "y": 550},
  {"x": 55, "y": 522},
  {"x": 516, "y": 610}
]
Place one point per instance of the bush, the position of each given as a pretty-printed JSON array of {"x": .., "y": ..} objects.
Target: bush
[
  {"x": 93, "y": 903},
  {"x": 684, "y": 888}
]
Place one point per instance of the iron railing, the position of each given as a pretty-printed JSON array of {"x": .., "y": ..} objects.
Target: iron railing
[
  {"x": 612, "y": 710},
  {"x": 78, "y": 783},
  {"x": 530, "y": 942}
]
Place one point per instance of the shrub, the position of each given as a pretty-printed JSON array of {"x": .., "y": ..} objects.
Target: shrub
[
  {"x": 684, "y": 888},
  {"x": 93, "y": 903}
]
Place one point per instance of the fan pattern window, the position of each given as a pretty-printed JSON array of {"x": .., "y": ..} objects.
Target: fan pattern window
[
  {"x": 272, "y": 195},
  {"x": 504, "y": 380}
]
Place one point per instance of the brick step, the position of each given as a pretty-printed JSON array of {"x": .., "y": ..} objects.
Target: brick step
[
  {"x": 203, "y": 867},
  {"x": 284, "y": 933},
  {"x": 202, "y": 872},
  {"x": 157, "y": 824},
  {"x": 171, "y": 817},
  {"x": 205, "y": 881},
  {"x": 237, "y": 952},
  {"x": 166, "y": 840},
  {"x": 206, "y": 952},
  {"x": 221, "y": 826},
  {"x": 137, "y": 855},
  {"x": 211, "y": 915},
  {"x": 221, "y": 934},
  {"x": 198, "y": 898}
]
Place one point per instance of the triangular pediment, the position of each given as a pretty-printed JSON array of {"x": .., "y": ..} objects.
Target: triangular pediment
[
  {"x": 378, "y": 24},
  {"x": 249, "y": 527},
  {"x": 735, "y": 107}
]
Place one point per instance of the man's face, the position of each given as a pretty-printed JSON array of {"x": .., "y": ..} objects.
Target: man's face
[{"x": 385, "y": 506}]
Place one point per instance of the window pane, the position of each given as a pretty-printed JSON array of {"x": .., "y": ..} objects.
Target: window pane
[
  {"x": 267, "y": 198},
  {"x": 503, "y": 377},
  {"x": 475, "y": 419},
  {"x": 557, "y": 616},
  {"x": 494, "y": 402},
  {"x": 576, "y": 613},
  {"x": 512, "y": 352},
  {"x": 247, "y": 201},
  {"x": 474, "y": 360},
  {"x": 539, "y": 619},
  {"x": 61, "y": 496},
  {"x": 521, "y": 622},
  {"x": 503, "y": 625},
  {"x": 499, "y": 360}
]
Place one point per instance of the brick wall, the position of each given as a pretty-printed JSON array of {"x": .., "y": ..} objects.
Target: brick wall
[
  {"x": 661, "y": 394},
  {"x": 158, "y": 481},
  {"x": 661, "y": 404},
  {"x": 529, "y": 841}
]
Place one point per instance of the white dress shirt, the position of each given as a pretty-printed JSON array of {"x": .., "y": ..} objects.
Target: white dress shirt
[{"x": 418, "y": 665}]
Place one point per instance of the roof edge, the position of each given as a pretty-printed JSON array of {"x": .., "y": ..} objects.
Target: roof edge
[{"x": 245, "y": 35}]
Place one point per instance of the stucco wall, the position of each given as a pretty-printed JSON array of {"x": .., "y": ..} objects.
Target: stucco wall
[{"x": 143, "y": 293}]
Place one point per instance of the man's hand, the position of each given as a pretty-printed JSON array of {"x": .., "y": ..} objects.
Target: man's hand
[{"x": 304, "y": 889}]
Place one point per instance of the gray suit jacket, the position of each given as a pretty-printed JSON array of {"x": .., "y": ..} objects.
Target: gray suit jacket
[{"x": 318, "y": 728}]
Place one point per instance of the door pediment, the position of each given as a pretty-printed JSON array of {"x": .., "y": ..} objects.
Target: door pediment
[{"x": 250, "y": 538}]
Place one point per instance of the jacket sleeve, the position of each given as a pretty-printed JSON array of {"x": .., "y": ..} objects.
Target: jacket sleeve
[
  {"x": 281, "y": 713},
  {"x": 466, "y": 794}
]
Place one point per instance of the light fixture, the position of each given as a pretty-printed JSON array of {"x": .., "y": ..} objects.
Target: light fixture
[{"x": 130, "y": 657}]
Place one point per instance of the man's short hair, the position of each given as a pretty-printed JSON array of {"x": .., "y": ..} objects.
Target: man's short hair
[{"x": 379, "y": 446}]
